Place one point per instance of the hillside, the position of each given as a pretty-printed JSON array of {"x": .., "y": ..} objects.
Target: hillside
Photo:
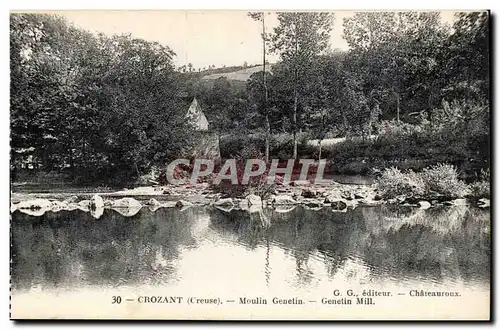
[{"x": 239, "y": 75}]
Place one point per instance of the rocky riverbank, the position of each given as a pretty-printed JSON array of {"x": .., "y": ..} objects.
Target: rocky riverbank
[{"x": 128, "y": 202}]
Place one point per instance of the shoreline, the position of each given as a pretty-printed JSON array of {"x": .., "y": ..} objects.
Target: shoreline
[{"x": 337, "y": 196}]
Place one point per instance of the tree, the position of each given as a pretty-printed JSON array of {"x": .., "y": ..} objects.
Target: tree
[
  {"x": 260, "y": 16},
  {"x": 299, "y": 38},
  {"x": 389, "y": 50}
]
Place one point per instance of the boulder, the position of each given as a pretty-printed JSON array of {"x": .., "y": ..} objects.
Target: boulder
[
  {"x": 35, "y": 207},
  {"x": 126, "y": 202},
  {"x": 347, "y": 195},
  {"x": 484, "y": 202},
  {"x": 297, "y": 183},
  {"x": 338, "y": 205},
  {"x": 460, "y": 201},
  {"x": 313, "y": 203},
  {"x": 359, "y": 196},
  {"x": 59, "y": 206},
  {"x": 71, "y": 199},
  {"x": 224, "y": 202},
  {"x": 153, "y": 202},
  {"x": 332, "y": 198},
  {"x": 254, "y": 200},
  {"x": 182, "y": 203},
  {"x": 284, "y": 208},
  {"x": 34, "y": 204},
  {"x": 308, "y": 193},
  {"x": 96, "y": 202},
  {"x": 283, "y": 200},
  {"x": 424, "y": 205}
]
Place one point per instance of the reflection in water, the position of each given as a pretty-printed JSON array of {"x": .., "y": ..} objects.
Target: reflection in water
[{"x": 300, "y": 248}]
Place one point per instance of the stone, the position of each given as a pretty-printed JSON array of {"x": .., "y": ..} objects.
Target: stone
[
  {"x": 359, "y": 196},
  {"x": 254, "y": 200},
  {"x": 424, "y": 205},
  {"x": 338, "y": 205},
  {"x": 377, "y": 197},
  {"x": 126, "y": 202},
  {"x": 300, "y": 183},
  {"x": 484, "y": 202},
  {"x": 84, "y": 205},
  {"x": 347, "y": 195},
  {"x": 313, "y": 203},
  {"x": 71, "y": 199},
  {"x": 332, "y": 198},
  {"x": 308, "y": 193},
  {"x": 224, "y": 202},
  {"x": 96, "y": 202},
  {"x": 153, "y": 202},
  {"x": 283, "y": 200},
  {"x": 284, "y": 208},
  {"x": 183, "y": 203},
  {"x": 460, "y": 201}
]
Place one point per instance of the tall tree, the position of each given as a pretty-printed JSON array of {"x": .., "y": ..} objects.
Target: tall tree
[
  {"x": 299, "y": 38},
  {"x": 261, "y": 16}
]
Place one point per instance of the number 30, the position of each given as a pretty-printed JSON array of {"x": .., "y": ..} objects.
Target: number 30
[{"x": 116, "y": 300}]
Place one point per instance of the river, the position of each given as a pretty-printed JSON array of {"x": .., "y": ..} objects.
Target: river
[{"x": 68, "y": 264}]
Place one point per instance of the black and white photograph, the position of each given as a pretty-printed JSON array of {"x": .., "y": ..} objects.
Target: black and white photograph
[{"x": 253, "y": 165}]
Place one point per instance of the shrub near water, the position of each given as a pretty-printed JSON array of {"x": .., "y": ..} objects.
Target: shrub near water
[
  {"x": 441, "y": 179},
  {"x": 393, "y": 183}
]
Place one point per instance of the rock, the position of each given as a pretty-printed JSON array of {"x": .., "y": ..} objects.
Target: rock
[
  {"x": 84, "y": 205},
  {"x": 332, "y": 198},
  {"x": 35, "y": 207},
  {"x": 401, "y": 199},
  {"x": 283, "y": 200},
  {"x": 308, "y": 193},
  {"x": 460, "y": 201},
  {"x": 377, "y": 197},
  {"x": 424, "y": 205},
  {"x": 224, "y": 202},
  {"x": 182, "y": 203},
  {"x": 126, "y": 202},
  {"x": 59, "y": 206},
  {"x": 484, "y": 202},
  {"x": 71, "y": 199},
  {"x": 153, "y": 202},
  {"x": 97, "y": 212},
  {"x": 166, "y": 192},
  {"x": 448, "y": 203},
  {"x": 359, "y": 196},
  {"x": 313, "y": 203},
  {"x": 347, "y": 195},
  {"x": 338, "y": 205},
  {"x": 254, "y": 200},
  {"x": 300, "y": 183},
  {"x": 169, "y": 204},
  {"x": 284, "y": 208},
  {"x": 13, "y": 207},
  {"x": 96, "y": 202},
  {"x": 34, "y": 204}
]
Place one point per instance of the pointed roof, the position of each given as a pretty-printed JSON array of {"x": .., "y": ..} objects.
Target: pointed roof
[{"x": 196, "y": 116}]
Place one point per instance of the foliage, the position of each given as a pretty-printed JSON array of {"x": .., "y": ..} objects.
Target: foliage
[
  {"x": 437, "y": 180},
  {"x": 443, "y": 180},
  {"x": 393, "y": 183}
]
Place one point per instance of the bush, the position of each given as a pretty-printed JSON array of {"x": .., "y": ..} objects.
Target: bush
[
  {"x": 393, "y": 183},
  {"x": 443, "y": 179},
  {"x": 480, "y": 189}
]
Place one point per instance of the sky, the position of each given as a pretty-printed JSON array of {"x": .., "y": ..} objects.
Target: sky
[{"x": 203, "y": 38}]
